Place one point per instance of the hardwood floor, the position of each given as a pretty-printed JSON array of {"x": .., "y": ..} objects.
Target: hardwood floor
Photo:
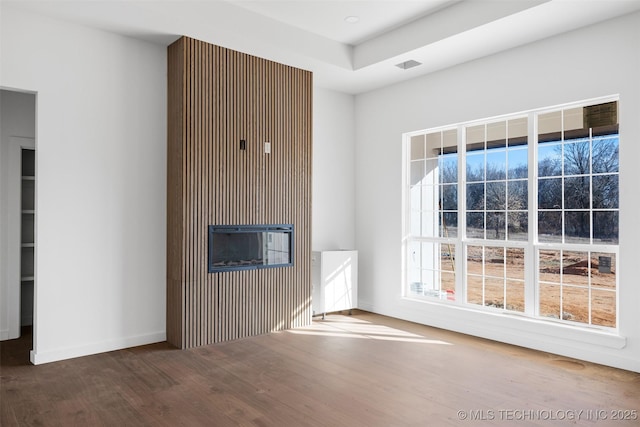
[{"x": 360, "y": 370}]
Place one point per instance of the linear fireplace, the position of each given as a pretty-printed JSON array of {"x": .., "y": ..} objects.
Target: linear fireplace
[{"x": 245, "y": 247}]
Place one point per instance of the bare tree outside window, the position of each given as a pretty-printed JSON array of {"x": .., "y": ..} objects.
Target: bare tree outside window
[
  {"x": 575, "y": 214},
  {"x": 579, "y": 185}
]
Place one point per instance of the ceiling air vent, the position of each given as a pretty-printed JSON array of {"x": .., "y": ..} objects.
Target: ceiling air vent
[{"x": 408, "y": 64}]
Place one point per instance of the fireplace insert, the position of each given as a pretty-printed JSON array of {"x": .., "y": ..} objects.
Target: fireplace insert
[{"x": 245, "y": 247}]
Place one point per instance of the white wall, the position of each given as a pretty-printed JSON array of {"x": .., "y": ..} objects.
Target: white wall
[
  {"x": 17, "y": 118},
  {"x": 333, "y": 212},
  {"x": 101, "y": 188},
  {"x": 596, "y": 61},
  {"x": 101, "y": 201}
]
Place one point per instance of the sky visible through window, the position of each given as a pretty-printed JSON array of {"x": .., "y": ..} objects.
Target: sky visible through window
[{"x": 569, "y": 231}]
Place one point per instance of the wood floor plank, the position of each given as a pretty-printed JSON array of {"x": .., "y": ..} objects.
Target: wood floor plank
[{"x": 360, "y": 370}]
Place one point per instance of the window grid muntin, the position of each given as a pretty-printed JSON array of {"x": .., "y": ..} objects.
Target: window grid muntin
[
  {"x": 532, "y": 244},
  {"x": 433, "y": 210},
  {"x": 429, "y": 272},
  {"x": 495, "y": 276},
  {"x": 562, "y": 143},
  {"x": 428, "y": 178},
  {"x": 588, "y": 287},
  {"x": 494, "y": 218}
]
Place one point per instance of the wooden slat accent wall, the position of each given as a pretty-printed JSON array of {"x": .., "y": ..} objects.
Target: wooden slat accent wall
[{"x": 217, "y": 97}]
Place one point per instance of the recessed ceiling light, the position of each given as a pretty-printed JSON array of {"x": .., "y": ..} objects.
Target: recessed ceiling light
[{"x": 351, "y": 19}]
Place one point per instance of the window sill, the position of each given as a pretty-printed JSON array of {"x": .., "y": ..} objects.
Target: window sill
[{"x": 518, "y": 326}]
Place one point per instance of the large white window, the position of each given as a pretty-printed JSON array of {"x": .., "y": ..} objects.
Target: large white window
[{"x": 518, "y": 213}]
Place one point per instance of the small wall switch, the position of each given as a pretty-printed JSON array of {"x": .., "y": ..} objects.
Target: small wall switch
[
  {"x": 243, "y": 144},
  {"x": 267, "y": 148}
]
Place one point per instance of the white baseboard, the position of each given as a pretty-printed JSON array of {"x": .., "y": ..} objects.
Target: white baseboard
[
  {"x": 40, "y": 357},
  {"x": 592, "y": 346}
]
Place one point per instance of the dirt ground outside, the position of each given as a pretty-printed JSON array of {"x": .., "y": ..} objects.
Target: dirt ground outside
[{"x": 569, "y": 281}]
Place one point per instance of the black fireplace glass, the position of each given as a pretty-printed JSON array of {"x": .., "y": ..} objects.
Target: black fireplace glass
[{"x": 245, "y": 247}]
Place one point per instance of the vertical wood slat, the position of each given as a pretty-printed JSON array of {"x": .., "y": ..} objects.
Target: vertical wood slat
[
  {"x": 217, "y": 97},
  {"x": 175, "y": 133}
]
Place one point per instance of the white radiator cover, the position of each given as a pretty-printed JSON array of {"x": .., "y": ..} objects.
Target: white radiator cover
[{"x": 334, "y": 278}]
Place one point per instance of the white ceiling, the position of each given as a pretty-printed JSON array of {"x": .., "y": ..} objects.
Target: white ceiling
[
  {"x": 327, "y": 17},
  {"x": 313, "y": 35}
]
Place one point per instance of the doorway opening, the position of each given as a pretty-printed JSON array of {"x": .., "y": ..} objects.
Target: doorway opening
[{"x": 17, "y": 214}]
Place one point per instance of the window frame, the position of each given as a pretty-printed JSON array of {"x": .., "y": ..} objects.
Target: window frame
[{"x": 531, "y": 246}]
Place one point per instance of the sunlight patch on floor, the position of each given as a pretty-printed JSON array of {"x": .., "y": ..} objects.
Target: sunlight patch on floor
[{"x": 352, "y": 327}]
